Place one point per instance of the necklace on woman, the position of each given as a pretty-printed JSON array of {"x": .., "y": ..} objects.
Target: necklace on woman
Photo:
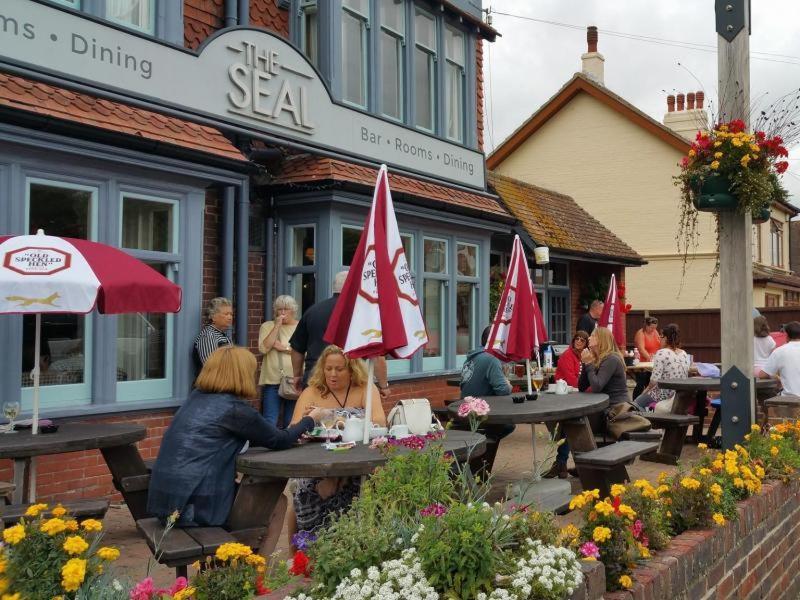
[{"x": 342, "y": 404}]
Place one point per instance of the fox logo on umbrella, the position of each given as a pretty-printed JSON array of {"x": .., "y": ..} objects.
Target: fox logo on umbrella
[{"x": 23, "y": 301}]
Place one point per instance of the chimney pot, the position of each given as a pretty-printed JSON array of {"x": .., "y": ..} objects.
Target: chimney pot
[
  {"x": 690, "y": 101},
  {"x": 681, "y": 98},
  {"x": 700, "y": 96},
  {"x": 670, "y": 103},
  {"x": 591, "y": 38}
]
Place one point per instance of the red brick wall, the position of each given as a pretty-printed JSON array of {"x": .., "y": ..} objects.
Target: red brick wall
[
  {"x": 255, "y": 302},
  {"x": 211, "y": 249},
  {"x": 479, "y": 89}
]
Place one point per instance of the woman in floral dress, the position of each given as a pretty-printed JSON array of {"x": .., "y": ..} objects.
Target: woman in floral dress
[{"x": 671, "y": 362}]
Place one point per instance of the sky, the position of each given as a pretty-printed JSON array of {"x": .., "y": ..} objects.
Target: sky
[{"x": 535, "y": 59}]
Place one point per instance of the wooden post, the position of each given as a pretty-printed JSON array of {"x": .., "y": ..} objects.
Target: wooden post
[{"x": 735, "y": 229}]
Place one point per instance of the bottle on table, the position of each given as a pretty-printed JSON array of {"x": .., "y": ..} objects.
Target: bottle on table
[
  {"x": 548, "y": 357},
  {"x": 636, "y": 356}
]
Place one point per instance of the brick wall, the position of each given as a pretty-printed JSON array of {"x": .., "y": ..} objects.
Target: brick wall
[{"x": 479, "y": 89}]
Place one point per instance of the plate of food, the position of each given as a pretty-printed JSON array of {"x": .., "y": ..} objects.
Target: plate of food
[{"x": 320, "y": 434}]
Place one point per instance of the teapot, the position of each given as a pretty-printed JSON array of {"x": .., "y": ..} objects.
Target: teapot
[
  {"x": 352, "y": 429},
  {"x": 561, "y": 387}
]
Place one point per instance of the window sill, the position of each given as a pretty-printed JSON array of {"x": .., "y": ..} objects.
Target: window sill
[
  {"x": 405, "y": 377},
  {"x": 96, "y": 410}
]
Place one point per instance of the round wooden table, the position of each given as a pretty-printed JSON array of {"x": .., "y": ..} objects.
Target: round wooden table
[
  {"x": 22, "y": 446},
  {"x": 312, "y": 460},
  {"x": 547, "y": 408}
]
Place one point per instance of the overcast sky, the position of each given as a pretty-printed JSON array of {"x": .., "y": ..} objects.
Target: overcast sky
[{"x": 532, "y": 60}]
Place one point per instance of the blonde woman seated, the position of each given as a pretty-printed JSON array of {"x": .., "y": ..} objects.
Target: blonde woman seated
[{"x": 340, "y": 384}]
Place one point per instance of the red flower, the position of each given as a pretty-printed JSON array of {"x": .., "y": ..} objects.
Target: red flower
[
  {"x": 760, "y": 136},
  {"x": 684, "y": 162},
  {"x": 736, "y": 126},
  {"x": 615, "y": 503},
  {"x": 301, "y": 565},
  {"x": 261, "y": 589},
  {"x": 781, "y": 167}
]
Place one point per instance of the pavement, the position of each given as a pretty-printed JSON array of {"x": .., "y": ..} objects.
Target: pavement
[{"x": 514, "y": 461}]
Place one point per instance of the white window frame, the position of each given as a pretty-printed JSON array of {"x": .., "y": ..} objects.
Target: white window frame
[
  {"x": 151, "y": 389},
  {"x": 474, "y": 281},
  {"x": 462, "y": 68},
  {"x": 71, "y": 394},
  {"x": 148, "y": 30},
  {"x": 437, "y": 363},
  {"x": 365, "y": 45},
  {"x": 433, "y": 58},
  {"x": 309, "y": 20},
  {"x": 776, "y": 243},
  {"x": 400, "y": 44}
]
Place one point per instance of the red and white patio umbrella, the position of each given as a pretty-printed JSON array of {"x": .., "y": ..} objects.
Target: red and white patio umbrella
[
  {"x": 612, "y": 314},
  {"x": 518, "y": 326},
  {"x": 46, "y": 274},
  {"x": 378, "y": 312}
]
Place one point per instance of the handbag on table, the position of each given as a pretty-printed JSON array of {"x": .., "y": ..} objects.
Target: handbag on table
[{"x": 415, "y": 413}]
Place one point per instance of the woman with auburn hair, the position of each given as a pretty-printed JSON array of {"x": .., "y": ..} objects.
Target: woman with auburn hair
[
  {"x": 336, "y": 383},
  {"x": 604, "y": 367},
  {"x": 195, "y": 471},
  {"x": 763, "y": 344}
]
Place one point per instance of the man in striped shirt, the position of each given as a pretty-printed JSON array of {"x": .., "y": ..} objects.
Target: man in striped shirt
[{"x": 212, "y": 335}]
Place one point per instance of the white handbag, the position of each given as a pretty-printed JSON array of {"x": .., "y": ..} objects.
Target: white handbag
[{"x": 415, "y": 413}]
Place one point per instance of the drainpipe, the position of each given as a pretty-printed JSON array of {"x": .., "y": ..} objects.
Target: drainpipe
[
  {"x": 226, "y": 262},
  {"x": 242, "y": 262},
  {"x": 231, "y": 13},
  {"x": 269, "y": 262},
  {"x": 244, "y": 13}
]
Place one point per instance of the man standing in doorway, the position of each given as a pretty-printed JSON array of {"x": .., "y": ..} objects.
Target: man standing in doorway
[
  {"x": 307, "y": 343},
  {"x": 588, "y": 321}
]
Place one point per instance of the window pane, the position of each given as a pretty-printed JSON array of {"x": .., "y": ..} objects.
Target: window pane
[
  {"x": 135, "y": 13},
  {"x": 308, "y": 30},
  {"x": 392, "y": 72},
  {"x": 353, "y": 59},
  {"x": 361, "y": 6},
  {"x": 558, "y": 318},
  {"x": 425, "y": 30},
  {"x": 435, "y": 252},
  {"x": 455, "y": 102},
  {"x": 454, "y": 45},
  {"x": 423, "y": 88},
  {"x": 350, "y": 239},
  {"x": 393, "y": 15},
  {"x": 433, "y": 308},
  {"x": 59, "y": 211},
  {"x": 408, "y": 248},
  {"x": 142, "y": 343},
  {"x": 72, "y": 3},
  {"x": 304, "y": 289},
  {"x": 558, "y": 274},
  {"x": 147, "y": 225},
  {"x": 465, "y": 317},
  {"x": 467, "y": 256},
  {"x": 302, "y": 246}
]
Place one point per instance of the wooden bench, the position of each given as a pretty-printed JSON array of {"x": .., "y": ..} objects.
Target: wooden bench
[
  {"x": 80, "y": 509},
  {"x": 675, "y": 428},
  {"x": 785, "y": 401},
  {"x": 605, "y": 466}
]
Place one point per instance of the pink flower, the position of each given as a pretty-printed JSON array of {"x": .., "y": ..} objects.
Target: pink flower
[
  {"x": 589, "y": 549},
  {"x": 475, "y": 406},
  {"x": 637, "y": 528},
  {"x": 143, "y": 590},
  {"x": 180, "y": 583},
  {"x": 433, "y": 510},
  {"x": 379, "y": 442}
]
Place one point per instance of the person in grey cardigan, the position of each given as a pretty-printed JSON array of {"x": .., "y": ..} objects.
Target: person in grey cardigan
[{"x": 604, "y": 367}]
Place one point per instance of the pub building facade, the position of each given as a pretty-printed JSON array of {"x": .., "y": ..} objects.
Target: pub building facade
[{"x": 233, "y": 145}]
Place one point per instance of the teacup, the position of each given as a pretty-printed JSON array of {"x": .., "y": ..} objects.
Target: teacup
[
  {"x": 378, "y": 432},
  {"x": 561, "y": 387},
  {"x": 399, "y": 431},
  {"x": 551, "y": 388}
]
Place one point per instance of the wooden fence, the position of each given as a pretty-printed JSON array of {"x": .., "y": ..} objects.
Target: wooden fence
[{"x": 700, "y": 328}]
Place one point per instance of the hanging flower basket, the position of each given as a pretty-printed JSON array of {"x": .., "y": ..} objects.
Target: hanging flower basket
[
  {"x": 761, "y": 216},
  {"x": 715, "y": 195}
]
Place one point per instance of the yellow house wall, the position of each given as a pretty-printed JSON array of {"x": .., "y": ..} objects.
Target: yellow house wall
[
  {"x": 778, "y": 214},
  {"x": 622, "y": 175}
]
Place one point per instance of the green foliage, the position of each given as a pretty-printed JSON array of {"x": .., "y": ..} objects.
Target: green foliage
[{"x": 234, "y": 582}]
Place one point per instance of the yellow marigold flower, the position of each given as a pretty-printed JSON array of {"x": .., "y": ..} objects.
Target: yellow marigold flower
[
  {"x": 14, "y": 535},
  {"x": 35, "y": 509},
  {"x": 774, "y": 451},
  {"x": 108, "y": 553},
  {"x": 257, "y": 561},
  {"x": 745, "y": 160},
  {"x": 53, "y": 526},
  {"x": 591, "y": 494},
  {"x": 754, "y": 148},
  {"x": 755, "y": 428},
  {"x": 570, "y": 531},
  {"x": 690, "y": 483},
  {"x": 184, "y": 594},
  {"x": 723, "y": 128},
  {"x": 641, "y": 484},
  {"x": 232, "y": 550},
  {"x": 72, "y": 574},
  {"x": 717, "y": 154},
  {"x": 662, "y": 489},
  {"x": 717, "y": 144},
  {"x": 75, "y": 544},
  {"x": 718, "y": 518},
  {"x": 716, "y": 489},
  {"x": 663, "y": 476},
  {"x": 626, "y": 582},
  {"x": 14, "y": 596},
  {"x": 775, "y": 437},
  {"x": 72, "y": 525},
  {"x": 59, "y": 511},
  {"x": 692, "y": 153},
  {"x": 705, "y": 471},
  {"x": 742, "y": 451},
  {"x": 627, "y": 511},
  {"x": 92, "y": 525},
  {"x": 702, "y": 446},
  {"x": 736, "y": 142},
  {"x": 715, "y": 164},
  {"x": 731, "y": 469},
  {"x": 588, "y": 558},
  {"x": 644, "y": 551},
  {"x": 577, "y": 502},
  {"x": 3, "y": 584},
  {"x": 738, "y": 482},
  {"x": 760, "y": 472},
  {"x": 601, "y": 534},
  {"x": 604, "y": 508},
  {"x": 617, "y": 489}
]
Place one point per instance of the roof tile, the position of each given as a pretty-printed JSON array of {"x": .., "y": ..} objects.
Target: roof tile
[
  {"x": 557, "y": 221},
  {"x": 44, "y": 99}
]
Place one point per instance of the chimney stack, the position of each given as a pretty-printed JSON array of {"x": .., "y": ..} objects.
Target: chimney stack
[
  {"x": 688, "y": 117},
  {"x": 592, "y": 61}
]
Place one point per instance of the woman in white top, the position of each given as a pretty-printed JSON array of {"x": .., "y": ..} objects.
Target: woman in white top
[
  {"x": 763, "y": 344},
  {"x": 671, "y": 362},
  {"x": 273, "y": 341}
]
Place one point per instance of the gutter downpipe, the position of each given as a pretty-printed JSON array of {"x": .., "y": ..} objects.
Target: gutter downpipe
[
  {"x": 242, "y": 262},
  {"x": 244, "y": 12},
  {"x": 269, "y": 257},
  {"x": 226, "y": 262},
  {"x": 231, "y": 16}
]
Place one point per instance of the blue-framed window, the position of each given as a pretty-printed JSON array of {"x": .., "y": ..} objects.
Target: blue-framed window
[
  {"x": 136, "y": 14},
  {"x": 393, "y": 61},
  {"x": 355, "y": 51},
  {"x": 308, "y": 29},
  {"x": 159, "y": 18},
  {"x": 467, "y": 281},
  {"x": 435, "y": 283},
  {"x": 455, "y": 50},
  {"x": 301, "y": 263},
  {"x": 425, "y": 57}
]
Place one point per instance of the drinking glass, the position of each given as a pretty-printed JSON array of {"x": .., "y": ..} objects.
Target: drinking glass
[
  {"x": 327, "y": 419},
  {"x": 537, "y": 378},
  {"x": 10, "y": 411}
]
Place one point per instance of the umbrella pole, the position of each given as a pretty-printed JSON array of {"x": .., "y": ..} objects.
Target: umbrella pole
[
  {"x": 534, "y": 473},
  {"x": 528, "y": 374},
  {"x": 37, "y": 352},
  {"x": 368, "y": 402}
]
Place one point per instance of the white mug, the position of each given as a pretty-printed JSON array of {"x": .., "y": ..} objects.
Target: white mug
[
  {"x": 561, "y": 387},
  {"x": 399, "y": 431},
  {"x": 551, "y": 387}
]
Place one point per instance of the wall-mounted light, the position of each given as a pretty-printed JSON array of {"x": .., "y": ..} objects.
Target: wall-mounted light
[{"x": 542, "y": 255}]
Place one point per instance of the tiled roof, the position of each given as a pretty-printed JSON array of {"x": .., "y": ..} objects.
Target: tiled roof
[
  {"x": 557, "y": 221},
  {"x": 201, "y": 18},
  {"x": 765, "y": 274},
  {"x": 267, "y": 14},
  {"x": 305, "y": 168},
  {"x": 40, "y": 98}
]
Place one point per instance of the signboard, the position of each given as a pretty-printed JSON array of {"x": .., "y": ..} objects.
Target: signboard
[{"x": 245, "y": 77}]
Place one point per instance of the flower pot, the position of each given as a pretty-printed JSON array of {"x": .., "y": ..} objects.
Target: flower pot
[
  {"x": 761, "y": 216},
  {"x": 715, "y": 195}
]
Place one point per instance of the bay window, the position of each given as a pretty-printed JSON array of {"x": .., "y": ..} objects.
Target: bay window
[
  {"x": 392, "y": 42},
  {"x": 455, "y": 59},
  {"x": 434, "y": 301},
  {"x": 467, "y": 279},
  {"x": 424, "y": 70},
  {"x": 301, "y": 264},
  {"x": 355, "y": 42}
]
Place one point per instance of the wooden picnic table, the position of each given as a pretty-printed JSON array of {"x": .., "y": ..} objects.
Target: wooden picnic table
[
  {"x": 521, "y": 382},
  {"x": 114, "y": 440}
]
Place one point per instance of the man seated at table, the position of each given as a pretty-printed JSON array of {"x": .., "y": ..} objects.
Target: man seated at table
[
  {"x": 784, "y": 362},
  {"x": 195, "y": 471},
  {"x": 482, "y": 375}
]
